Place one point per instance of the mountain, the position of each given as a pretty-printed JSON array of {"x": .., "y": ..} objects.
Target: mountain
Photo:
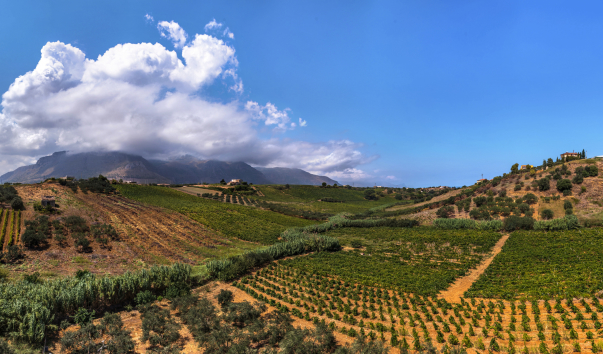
[
  {"x": 282, "y": 175},
  {"x": 186, "y": 169}
]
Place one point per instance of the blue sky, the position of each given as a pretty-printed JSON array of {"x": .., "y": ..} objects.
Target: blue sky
[{"x": 424, "y": 92}]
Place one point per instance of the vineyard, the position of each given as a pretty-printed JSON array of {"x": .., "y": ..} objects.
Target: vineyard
[
  {"x": 416, "y": 260},
  {"x": 416, "y": 323},
  {"x": 545, "y": 265},
  {"x": 250, "y": 224},
  {"x": 10, "y": 229}
]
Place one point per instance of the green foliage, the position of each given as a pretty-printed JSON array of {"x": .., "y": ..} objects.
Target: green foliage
[
  {"x": 562, "y": 264},
  {"x": 563, "y": 185},
  {"x": 402, "y": 257},
  {"x": 5, "y": 348},
  {"x": 83, "y": 317},
  {"x": 225, "y": 298},
  {"x": 514, "y": 222},
  {"x": 543, "y": 184},
  {"x": 530, "y": 199},
  {"x": 569, "y": 222},
  {"x": 370, "y": 194},
  {"x": 445, "y": 212},
  {"x": 568, "y": 205},
  {"x": 251, "y": 224},
  {"x": 30, "y": 309},
  {"x": 144, "y": 297},
  {"x": 547, "y": 214},
  {"x": 455, "y": 224},
  {"x": 160, "y": 329},
  {"x": 98, "y": 184}
]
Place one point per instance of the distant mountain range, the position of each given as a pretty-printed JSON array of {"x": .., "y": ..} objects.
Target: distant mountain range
[{"x": 186, "y": 169}]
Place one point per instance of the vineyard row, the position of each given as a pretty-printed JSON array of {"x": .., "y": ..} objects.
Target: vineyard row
[{"x": 10, "y": 228}]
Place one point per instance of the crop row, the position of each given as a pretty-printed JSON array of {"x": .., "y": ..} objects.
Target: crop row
[
  {"x": 400, "y": 316},
  {"x": 418, "y": 260},
  {"x": 251, "y": 224},
  {"x": 10, "y": 227},
  {"x": 543, "y": 265}
]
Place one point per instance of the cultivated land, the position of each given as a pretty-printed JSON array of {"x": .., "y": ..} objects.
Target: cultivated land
[{"x": 414, "y": 287}]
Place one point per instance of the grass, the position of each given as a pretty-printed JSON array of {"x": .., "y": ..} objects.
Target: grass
[
  {"x": 231, "y": 220},
  {"x": 80, "y": 260},
  {"x": 418, "y": 260},
  {"x": 545, "y": 265}
]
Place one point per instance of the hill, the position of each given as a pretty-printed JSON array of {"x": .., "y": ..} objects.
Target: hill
[
  {"x": 186, "y": 169},
  {"x": 282, "y": 175}
]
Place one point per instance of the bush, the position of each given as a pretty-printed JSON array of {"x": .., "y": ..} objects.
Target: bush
[
  {"x": 225, "y": 298},
  {"x": 453, "y": 224},
  {"x": 543, "y": 184},
  {"x": 569, "y": 222},
  {"x": 445, "y": 212},
  {"x": 564, "y": 185},
  {"x": 517, "y": 187},
  {"x": 567, "y": 205},
  {"x": 356, "y": 243},
  {"x": 144, "y": 297},
  {"x": 514, "y": 222},
  {"x": 547, "y": 214},
  {"x": 17, "y": 204},
  {"x": 530, "y": 198},
  {"x": 578, "y": 179}
]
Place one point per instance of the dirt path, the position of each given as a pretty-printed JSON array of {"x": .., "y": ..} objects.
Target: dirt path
[{"x": 458, "y": 288}]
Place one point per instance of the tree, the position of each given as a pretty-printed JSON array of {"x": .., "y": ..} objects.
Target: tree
[
  {"x": 550, "y": 162},
  {"x": 160, "y": 329},
  {"x": 222, "y": 181},
  {"x": 515, "y": 169},
  {"x": 564, "y": 184},
  {"x": 543, "y": 184},
  {"x": 567, "y": 205},
  {"x": 445, "y": 212},
  {"x": 547, "y": 214},
  {"x": 324, "y": 184},
  {"x": 17, "y": 204},
  {"x": 583, "y": 154},
  {"x": 370, "y": 194},
  {"x": 225, "y": 298},
  {"x": 530, "y": 198},
  {"x": 544, "y": 164}
]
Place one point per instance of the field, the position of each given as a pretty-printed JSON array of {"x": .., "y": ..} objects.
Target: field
[
  {"x": 545, "y": 265},
  {"x": 231, "y": 220},
  {"x": 307, "y": 198},
  {"x": 10, "y": 228},
  {"x": 413, "y": 321},
  {"x": 417, "y": 260}
]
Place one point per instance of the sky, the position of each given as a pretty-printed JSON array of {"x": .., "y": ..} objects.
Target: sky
[{"x": 400, "y": 93}]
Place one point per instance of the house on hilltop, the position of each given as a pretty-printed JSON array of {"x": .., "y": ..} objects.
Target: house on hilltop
[
  {"x": 234, "y": 182},
  {"x": 570, "y": 154}
]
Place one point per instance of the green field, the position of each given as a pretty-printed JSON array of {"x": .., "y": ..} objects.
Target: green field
[
  {"x": 545, "y": 265},
  {"x": 306, "y": 198},
  {"x": 419, "y": 260},
  {"x": 250, "y": 224}
]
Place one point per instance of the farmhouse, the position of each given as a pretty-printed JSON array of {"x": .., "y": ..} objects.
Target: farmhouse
[
  {"x": 48, "y": 200},
  {"x": 234, "y": 182},
  {"x": 570, "y": 154}
]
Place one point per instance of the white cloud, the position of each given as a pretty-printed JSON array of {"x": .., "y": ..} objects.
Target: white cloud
[
  {"x": 349, "y": 175},
  {"x": 228, "y": 33},
  {"x": 149, "y": 18},
  {"x": 118, "y": 102},
  {"x": 212, "y": 25},
  {"x": 173, "y": 32},
  {"x": 390, "y": 177},
  {"x": 215, "y": 26}
]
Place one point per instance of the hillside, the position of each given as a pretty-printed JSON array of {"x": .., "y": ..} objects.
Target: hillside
[{"x": 128, "y": 167}]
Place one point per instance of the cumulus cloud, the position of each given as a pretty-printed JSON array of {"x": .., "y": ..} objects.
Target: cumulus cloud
[
  {"x": 173, "y": 32},
  {"x": 149, "y": 18},
  {"x": 142, "y": 98}
]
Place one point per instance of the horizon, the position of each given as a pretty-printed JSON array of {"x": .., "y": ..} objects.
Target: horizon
[{"x": 392, "y": 93}]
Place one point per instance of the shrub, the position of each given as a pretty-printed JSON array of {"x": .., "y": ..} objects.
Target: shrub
[
  {"x": 567, "y": 205},
  {"x": 82, "y": 317},
  {"x": 547, "y": 214},
  {"x": 225, "y": 298},
  {"x": 514, "y": 222},
  {"x": 17, "y": 204},
  {"x": 445, "y": 212},
  {"x": 578, "y": 179},
  {"x": 144, "y": 297},
  {"x": 543, "y": 184},
  {"x": 567, "y": 192},
  {"x": 563, "y": 185},
  {"x": 569, "y": 222},
  {"x": 582, "y": 189},
  {"x": 356, "y": 243},
  {"x": 517, "y": 187},
  {"x": 523, "y": 208},
  {"x": 530, "y": 198},
  {"x": 479, "y": 201}
]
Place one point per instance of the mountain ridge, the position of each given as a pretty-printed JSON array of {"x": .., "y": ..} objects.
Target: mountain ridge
[{"x": 130, "y": 167}]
